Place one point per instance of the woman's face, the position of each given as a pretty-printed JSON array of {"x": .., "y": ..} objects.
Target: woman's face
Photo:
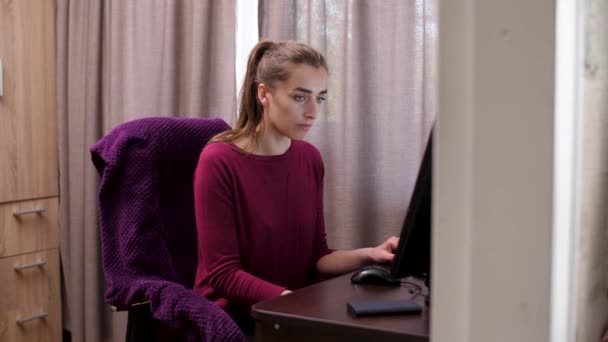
[{"x": 292, "y": 106}]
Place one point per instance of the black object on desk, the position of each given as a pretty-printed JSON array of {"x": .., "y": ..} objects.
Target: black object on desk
[
  {"x": 375, "y": 275},
  {"x": 383, "y": 307}
]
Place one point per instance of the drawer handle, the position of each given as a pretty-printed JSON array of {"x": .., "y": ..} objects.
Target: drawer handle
[
  {"x": 29, "y": 211},
  {"x": 25, "y": 266},
  {"x": 31, "y": 318}
]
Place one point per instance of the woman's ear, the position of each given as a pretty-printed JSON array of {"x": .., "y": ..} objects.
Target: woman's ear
[{"x": 263, "y": 94}]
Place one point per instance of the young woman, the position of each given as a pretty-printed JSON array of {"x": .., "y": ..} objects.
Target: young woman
[{"x": 258, "y": 189}]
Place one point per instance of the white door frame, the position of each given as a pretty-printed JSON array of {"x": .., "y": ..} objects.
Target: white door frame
[
  {"x": 567, "y": 154},
  {"x": 507, "y": 157}
]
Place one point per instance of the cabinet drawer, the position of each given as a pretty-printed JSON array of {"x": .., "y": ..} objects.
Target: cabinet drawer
[
  {"x": 29, "y": 297},
  {"x": 28, "y": 226}
]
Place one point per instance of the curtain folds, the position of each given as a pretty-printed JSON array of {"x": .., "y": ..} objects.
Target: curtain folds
[
  {"x": 119, "y": 61},
  {"x": 591, "y": 308},
  {"x": 381, "y": 105}
]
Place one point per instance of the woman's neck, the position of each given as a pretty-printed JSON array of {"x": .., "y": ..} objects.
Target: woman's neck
[{"x": 265, "y": 145}]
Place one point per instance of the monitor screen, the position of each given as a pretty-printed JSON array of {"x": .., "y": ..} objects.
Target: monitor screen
[{"x": 413, "y": 255}]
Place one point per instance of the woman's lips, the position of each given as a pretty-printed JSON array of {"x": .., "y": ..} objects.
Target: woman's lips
[{"x": 305, "y": 127}]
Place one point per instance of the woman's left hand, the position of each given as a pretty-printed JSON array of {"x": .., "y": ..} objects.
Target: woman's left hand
[{"x": 384, "y": 253}]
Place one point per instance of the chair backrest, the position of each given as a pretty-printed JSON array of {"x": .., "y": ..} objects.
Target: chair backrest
[{"x": 146, "y": 203}]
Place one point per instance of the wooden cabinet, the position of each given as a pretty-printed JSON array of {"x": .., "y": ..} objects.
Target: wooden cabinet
[
  {"x": 30, "y": 305},
  {"x": 28, "y": 119}
]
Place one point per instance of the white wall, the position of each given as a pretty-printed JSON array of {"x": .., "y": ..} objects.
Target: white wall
[{"x": 494, "y": 171}]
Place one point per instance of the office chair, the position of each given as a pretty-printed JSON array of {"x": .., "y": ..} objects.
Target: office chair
[{"x": 148, "y": 229}]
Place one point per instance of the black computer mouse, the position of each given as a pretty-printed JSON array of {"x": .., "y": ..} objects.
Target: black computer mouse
[{"x": 375, "y": 275}]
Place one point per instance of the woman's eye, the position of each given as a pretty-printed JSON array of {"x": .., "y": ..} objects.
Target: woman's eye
[
  {"x": 320, "y": 99},
  {"x": 299, "y": 98}
]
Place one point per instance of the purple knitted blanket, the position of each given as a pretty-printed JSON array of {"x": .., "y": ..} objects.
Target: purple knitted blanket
[{"x": 147, "y": 224}]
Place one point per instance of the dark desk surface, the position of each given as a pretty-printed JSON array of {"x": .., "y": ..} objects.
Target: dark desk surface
[{"x": 319, "y": 311}]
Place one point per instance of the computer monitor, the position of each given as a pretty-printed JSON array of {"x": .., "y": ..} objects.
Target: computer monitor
[{"x": 413, "y": 255}]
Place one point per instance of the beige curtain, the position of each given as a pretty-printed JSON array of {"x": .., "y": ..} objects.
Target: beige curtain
[
  {"x": 591, "y": 240},
  {"x": 118, "y": 61},
  {"x": 380, "y": 106}
]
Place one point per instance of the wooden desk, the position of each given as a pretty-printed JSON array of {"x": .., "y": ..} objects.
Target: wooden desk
[{"x": 318, "y": 313}]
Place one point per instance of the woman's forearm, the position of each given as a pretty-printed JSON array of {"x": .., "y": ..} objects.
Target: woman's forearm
[{"x": 340, "y": 262}]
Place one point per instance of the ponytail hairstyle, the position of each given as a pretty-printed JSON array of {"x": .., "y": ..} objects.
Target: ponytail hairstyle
[{"x": 269, "y": 62}]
